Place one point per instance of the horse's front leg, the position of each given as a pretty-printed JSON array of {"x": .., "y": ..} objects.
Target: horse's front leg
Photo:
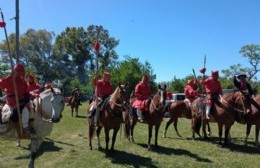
[
  {"x": 98, "y": 137},
  {"x": 33, "y": 149},
  {"x": 132, "y": 131},
  {"x": 107, "y": 138},
  {"x": 248, "y": 128},
  {"x": 150, "y": 129},
  {"x": 204, "y": 124},
  {"x": 114, "y": 138},
  {"x": 257, "y": 128},
  {"x": 193, "y": 123},
  {"x": 166, "y": 127},
  {"x": 227, "y": 129},
  {"x": 156, "y": 135},
  {"x": 220, "y": 133},
  {"x": 72, "y": 111}
]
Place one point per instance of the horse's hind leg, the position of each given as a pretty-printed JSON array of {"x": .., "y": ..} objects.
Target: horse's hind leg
[
  {"x": 91, "y": 133},
  {"x": 248, "y": 128},
  {"x": 167, "y": 126},
  {"x": 220, "y": 133},
  {"x": 176, "y": 127},
  {"x": 209, "y": 130},
  {"x": 156, "y": 135},
  {"x": 107, "y": 137},
  {"x": 227, "y": 129},
  {"x": 72, "y": 111}
]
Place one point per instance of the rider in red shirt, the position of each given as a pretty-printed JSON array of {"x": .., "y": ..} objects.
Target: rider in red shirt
[
  {"x": 7, "y": 85},
  {"x": 213, "y": 90},
  {"x": 190, "y": 92},
  {"x": 142, "y": 92},
  {"x": 33, "y": 87},
  {"x": 104, "y": 89}
]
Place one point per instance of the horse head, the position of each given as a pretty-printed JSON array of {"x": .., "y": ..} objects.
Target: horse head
[
  {"x": 159, "y": 99},
  {"x": 51, "y": 105},
  {"x": 243, "y": 101}
]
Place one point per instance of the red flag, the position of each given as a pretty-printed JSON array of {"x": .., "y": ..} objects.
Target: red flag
[
  {"x": 2, "y": 24},
  {"x": 96, "y": 46}
]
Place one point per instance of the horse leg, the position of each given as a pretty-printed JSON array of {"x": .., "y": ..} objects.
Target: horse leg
[
  {"x": 176, "y": 127},
  {"x": 132, "y": 131},
  {"x": 107, "y": 138},
  {"x": 220, "y": 133},
  {"x": 156, "y": 135},
  {"x": 33, "y": 149},
  {"x": 257, "y": 128},
  {"x": 90, "y": 134},
  {"x": 227, "y": 129},
  {"x": 77, "y": 110},
  {"x": 72, "y": 111},
  {"x": 248, "y": 128},
  {"x": 167, "y": 126},
  {"x": 204, "y": 124},
  {"x": 98, "y": 133},
  {"x": 193, "y": 122},
  {"x": 114, "y": 139},
  {"x": 209, "y": 130},
  {"x": 150, "y": 129}
]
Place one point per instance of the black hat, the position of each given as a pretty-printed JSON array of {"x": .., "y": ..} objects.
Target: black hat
[{"x": 241, "y": 75}]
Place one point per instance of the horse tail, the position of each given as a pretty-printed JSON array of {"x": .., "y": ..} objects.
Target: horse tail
[{"x": 198, "y": 125}]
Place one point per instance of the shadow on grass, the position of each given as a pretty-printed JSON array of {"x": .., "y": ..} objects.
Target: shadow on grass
[
  {"x": 170, "y": 151},
  {"x": 236, "y": 145},
  {"x": 46, "y": 146},
  {"x": 129, "y": 159}
]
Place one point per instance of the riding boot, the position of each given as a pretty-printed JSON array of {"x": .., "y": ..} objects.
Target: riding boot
[
  {"x": 140, "y": 115},
  {"x": 25, "y": 122},
  {"x": 208, "y": 107}
]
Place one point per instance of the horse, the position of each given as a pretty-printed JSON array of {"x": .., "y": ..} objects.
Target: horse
[
  {"x": 179, "y": 109},
  {"x": 111, "y": 116},
  {"x": 152, "y": 117},
  {"x": 250, "y": 119},
  {"x": 223, "y": 112},
  {"x": 74, "y": 104},
  {"x": 48, "y": 110}
]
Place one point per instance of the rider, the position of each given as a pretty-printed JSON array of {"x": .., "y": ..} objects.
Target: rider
[
  {"x": 33, "y": 87},
  {"x": 190, "y": 92},
  {"x": 244, "y": 86},
  {"x": 104, "y": 89},
  {"x": 142, "y": 92},
  {"x": 213, "y": 90},
  {"x": 74, "y": 92},
  {"x": 7, "y": 84}
]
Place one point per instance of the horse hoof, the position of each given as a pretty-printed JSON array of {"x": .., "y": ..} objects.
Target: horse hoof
[{"x": 90, "y": 147}]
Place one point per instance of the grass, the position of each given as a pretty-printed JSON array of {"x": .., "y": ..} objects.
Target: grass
[{"x": 67, "y": 147}]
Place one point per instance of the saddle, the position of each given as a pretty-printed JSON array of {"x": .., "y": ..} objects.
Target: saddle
[{"x": 145, "y": 105}]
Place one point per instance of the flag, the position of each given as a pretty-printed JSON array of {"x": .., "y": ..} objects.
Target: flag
[{"x": 2, "y": 24}]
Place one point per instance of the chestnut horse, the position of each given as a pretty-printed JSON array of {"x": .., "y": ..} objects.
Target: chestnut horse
[
  {"x": 110, "y": 117},
  {"x": 152, "y": 117},
  {"x": 224, "y": 111},
  {"x": 180, "y": 109},
  {"x": 251, "y": 119},
  {"x": 74, "y": 104}
]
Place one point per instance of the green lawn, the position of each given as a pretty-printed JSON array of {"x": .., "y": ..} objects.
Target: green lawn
[{"x": 67, "y": 147}]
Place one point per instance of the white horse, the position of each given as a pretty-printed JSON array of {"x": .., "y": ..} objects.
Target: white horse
[{"x": 48, "y": 110}]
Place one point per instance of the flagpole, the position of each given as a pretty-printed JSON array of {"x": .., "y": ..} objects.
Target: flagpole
[
  {"x": 96, "y": 48},
  {"x": 12, "y": 67}
]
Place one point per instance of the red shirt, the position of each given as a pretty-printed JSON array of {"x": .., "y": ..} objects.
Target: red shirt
[
  {"x": 212, "y": 86},
  {"x": 7, "y": 85},
  {"x": 190, "y": 93},
  {"x": 34, "y": 87},
  {"x": 104, "y": 89},
  {"x": 142, "y": 92}
]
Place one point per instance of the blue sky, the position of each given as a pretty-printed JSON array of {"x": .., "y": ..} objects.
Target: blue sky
[{"x": 172, "y": 35}]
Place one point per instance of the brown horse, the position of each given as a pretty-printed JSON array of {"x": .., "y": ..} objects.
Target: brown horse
[
  {"x": 110, "y": 117},
  {"x": 74, "y": 104},
  {"x": 251, "y": 119},
  {"x": 224, "y": 112},
  {"x": 152, "y": 117},
  {"x": 180, "y": 109}
]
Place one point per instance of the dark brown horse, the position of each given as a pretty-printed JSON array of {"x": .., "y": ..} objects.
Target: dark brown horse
[
  {"x": 74, "y": 104},
  {"x": 152, "y": 117},
  {"x": 250, "y": 119},
  {"x": 111, "y": 116}
]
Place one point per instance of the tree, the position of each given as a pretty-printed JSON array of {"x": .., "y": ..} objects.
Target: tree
[{"x": 252, "y": 53}]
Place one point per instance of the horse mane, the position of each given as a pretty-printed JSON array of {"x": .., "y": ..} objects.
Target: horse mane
[{"x": 114, "y": 96}]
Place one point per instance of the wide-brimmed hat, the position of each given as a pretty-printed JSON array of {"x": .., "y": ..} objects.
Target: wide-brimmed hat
[{"x": 241, "y": 75}]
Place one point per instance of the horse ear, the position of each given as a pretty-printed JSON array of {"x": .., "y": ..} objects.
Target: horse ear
[
  {"x": 165, "y": 86},
  {"x": 52, "y": 90},
  {"x": 159, "y": 86}
]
